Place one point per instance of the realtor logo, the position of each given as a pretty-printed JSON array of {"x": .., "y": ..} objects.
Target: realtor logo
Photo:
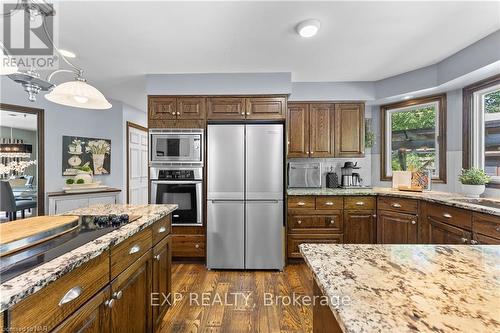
[{"x": 24, "y": 31}]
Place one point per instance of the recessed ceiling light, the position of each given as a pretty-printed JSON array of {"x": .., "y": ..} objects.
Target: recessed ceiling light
[
  {"x": 308, "y": 28},
  {"x": 67, "y": 54}
]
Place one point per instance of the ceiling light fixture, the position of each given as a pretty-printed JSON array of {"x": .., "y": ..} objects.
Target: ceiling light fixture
[
  {"x": 77, "y": 93},
  {"x": 308, "y": 28},
  {"x": 15, "y": 150}
]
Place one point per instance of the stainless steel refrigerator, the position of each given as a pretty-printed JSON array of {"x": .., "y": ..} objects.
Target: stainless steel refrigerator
[{"x": 245, "y": 196}]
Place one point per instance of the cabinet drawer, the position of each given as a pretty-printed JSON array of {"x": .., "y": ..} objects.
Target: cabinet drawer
[
  {"x": 398, "y": 205},
  {"x": 315, "y": 223},
  {"x": 188, "y": 246},
  {"x": 295, "y": 240},
  {"x": 458, "y": 217},
  {"x": 52, "y": 304},
  {"x": 301, "y": 202},
  {"x": 329, "y": 202},
  {"x": 128, "y": 251},
  {"x": 485, "y": 224},
  {"x": 161, "y": 228},
  {"x": 359, "y": 203}
]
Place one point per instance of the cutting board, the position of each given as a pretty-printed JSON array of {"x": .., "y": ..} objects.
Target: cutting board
[{"x": 26, "y": 228}]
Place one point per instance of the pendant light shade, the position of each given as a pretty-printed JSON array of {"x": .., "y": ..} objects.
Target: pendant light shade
[
  {"x": 15, "y": 150},
  {"x": 78, "y": 94}
]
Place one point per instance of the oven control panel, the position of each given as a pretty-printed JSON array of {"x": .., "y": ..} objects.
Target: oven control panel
[{"x": 176, "y": 174}]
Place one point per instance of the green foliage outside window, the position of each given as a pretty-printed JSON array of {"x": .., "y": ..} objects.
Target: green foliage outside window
[{"x": 492, "y": 102}]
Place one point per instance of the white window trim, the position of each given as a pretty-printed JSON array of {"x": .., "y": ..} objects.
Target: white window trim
[
  {"x": 478, "y": 129},
  {"x": 388, "y": 135}
]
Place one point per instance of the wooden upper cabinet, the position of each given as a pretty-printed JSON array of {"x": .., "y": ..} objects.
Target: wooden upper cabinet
[
  {"x": 226, "y": 108},
  {"x": 321, "y": 120},
  {"x": 349, "y": 130},
  {"x": 191, "y": 108},
  {"x": 266, "y": 108},
  {"x": 164, "y": 108},
  {"x": 298, "y": 130}
]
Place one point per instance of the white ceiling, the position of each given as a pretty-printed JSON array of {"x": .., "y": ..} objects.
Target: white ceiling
[
  {"x": 118, "y": 42},
  {"x": 18, "y": 120}
]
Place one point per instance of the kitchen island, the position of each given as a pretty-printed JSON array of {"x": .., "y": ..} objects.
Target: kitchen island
[
  {"x": 405, "y": 288},
  {"x": 123, "y": 264}
]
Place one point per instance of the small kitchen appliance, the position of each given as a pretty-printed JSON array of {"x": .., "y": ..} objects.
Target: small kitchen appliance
[
  {"x": 304, "y": 174},
  {"x": 178, "y": 146},
  {"x": 350, "y": 178}
]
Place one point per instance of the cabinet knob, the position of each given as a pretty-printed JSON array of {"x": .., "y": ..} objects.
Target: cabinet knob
[
  {"x": 360, "y": 203},
  {"x": 396, "y": 205},
  {"x": 248, "y": 113},
  {"x": 243, "y": 113},
  {"x": 464, "y": 240},
  {"x": 109, "y": 303},
  {"x": 72, "y": 294},
  {"x": 474, "y": 242},
  {"x": 374, "y": 216},
  {"x": 448, "y": 216},
  {"x": 162, "y": 230},
  {"x": 299, "y": 222},
  {"x": 307, "y": 152},
  {"x": 178, "y": 113},
  {"x": 197, "y": 246},
  {"x": 157, "y": 257},
  {"x": 332, "y": 221},
  {"x": 413, "y": 222},
  {"x": 498, "y": 229},
  {"x": 329, "y": 203},
  {"x": 134, "y": 249},
  {"x": 312, "y": 152},
  {"x": 118, "y": 294}
]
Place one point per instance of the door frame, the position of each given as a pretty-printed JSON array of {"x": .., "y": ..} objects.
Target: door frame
[
  {"x": 41, "y": 153},
  {"x": 141, "y": 128}
]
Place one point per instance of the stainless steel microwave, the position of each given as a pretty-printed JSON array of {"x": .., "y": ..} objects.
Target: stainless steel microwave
[{"x": 176, "y": 146}]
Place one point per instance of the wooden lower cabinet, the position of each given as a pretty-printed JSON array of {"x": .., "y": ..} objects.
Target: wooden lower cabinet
[
  {"x": 131, "y": 290},
  {"x": 93, "y": 317},
  {"x": 188, "y": 246},
  {"x": 295, "y": 240},
  {"x": 442, "y": 233},
  {"x": 360, "y": 227},
  {"x": 397, "y": 228},
  {"x": 162, "y": 280}
]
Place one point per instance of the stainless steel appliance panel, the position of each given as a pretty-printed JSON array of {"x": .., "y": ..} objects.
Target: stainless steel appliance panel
[
  {"x": 304, "y": 174},
  {"x": 264, "y": 235},
  {"x": 226, "y": 161},
  {"x": 225, "y": 234},
  {"x": 176, "y": 146},
  {"x": 264, "y": 162}
]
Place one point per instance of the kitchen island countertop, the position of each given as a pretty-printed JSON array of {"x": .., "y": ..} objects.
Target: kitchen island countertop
[
  {"x": 409, "y": 288},
  {"x": 22, "y": 286}
]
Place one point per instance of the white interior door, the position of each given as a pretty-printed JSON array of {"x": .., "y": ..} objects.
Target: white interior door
[{"x": 137, "y": 166}]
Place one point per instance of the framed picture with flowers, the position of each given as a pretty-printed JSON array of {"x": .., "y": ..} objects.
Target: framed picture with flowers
[{"x": 81, "y": 154}]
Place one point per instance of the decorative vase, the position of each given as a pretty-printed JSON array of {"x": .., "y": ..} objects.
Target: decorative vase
[
  {"x": 98, "y": 160},
  {"x": 86, "y": 176},
  {"x": 472, "y": 191}
]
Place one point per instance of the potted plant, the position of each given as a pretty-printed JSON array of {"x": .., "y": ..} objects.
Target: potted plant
[
  {"x": 473, "y": 182},
  {"x": 85, "y": 174}
]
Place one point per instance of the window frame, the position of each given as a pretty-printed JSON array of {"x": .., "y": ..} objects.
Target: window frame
[
  {"x": 441, "y": 132},
  {"x": 469, "y": 156}
]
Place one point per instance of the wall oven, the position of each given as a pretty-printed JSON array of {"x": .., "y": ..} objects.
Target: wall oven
[
  {"x": 181, "y": 186},
  {"x": 176, "y": 146}
]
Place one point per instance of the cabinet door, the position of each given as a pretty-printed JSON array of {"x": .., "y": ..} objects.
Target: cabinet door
[
  {"x": 64, "y": 205},
  {"x": 485, "y": 240},
  {"x": 321, "y": 119},
  {"x": 349, "y": 130},
  {"x": 163, "y": 108},
  {"x": 162, "y": 280},
  {"x": 298, "y": 130},
  {"x": 396, "y": 228},
  {"x": 103, "y": 200},
  {"x": 360, "y": 227},
  {"x": 266, "y": 108},
  {"x": 442, "y": 233},
  {"x": 131, "y": 311},
  {"x": 226, "y": 108},
  {"x": 191, "y": 108},
  {"x": 93, "y": 317}
]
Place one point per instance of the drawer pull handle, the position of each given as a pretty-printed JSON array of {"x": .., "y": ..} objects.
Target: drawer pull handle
[
  {"x": 118, "y": 294},
  {"x": 329, "y": 203},
  {"x": 162, "y": 230},
  {"x": 72, "y": 294},
  {"x": 301, "y": 203},
  {"x": 134, "y": 249},
  {"x": 360, "y": 203},
  {"x": 197, "y": 246},
  {"x": 299, "y": 222},
  {"x": 474, "y": 242},
  {"x": 109, "y": 303},
  {"x": 175, "y": 215},
  {"x": 413, "y": 222},
  {"x": 396, "y": 205},
  {"x": 448, "y": 216},
  {"x": 157, "y": 257},
  {"x": 464, "y": 240}
]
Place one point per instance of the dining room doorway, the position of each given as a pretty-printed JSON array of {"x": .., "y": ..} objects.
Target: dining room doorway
[{"x": 22, "y": 185}]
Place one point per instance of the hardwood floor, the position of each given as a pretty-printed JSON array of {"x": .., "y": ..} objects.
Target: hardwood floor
[{"x": 200, "y": 309}]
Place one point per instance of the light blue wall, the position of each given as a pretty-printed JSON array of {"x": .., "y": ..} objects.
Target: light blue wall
[{"x": 331, "y": 91}]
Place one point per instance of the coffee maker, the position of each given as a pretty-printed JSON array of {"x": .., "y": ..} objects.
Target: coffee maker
[{"x": 349, "y": 177}]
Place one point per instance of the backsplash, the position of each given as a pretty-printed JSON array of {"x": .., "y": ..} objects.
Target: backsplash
[{"x": 364, "y": 163}]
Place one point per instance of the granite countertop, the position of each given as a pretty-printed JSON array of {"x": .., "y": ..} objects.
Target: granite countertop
[
  {"x": 20, "y": 287},
  {"x": 409, "y": 288},
  {"x": 445, "y": 198}
]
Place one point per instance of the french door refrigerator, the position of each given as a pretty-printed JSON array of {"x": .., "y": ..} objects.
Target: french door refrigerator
[{"x": 245, "y": 196}]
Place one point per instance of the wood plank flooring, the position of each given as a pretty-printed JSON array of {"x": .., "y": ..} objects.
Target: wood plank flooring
[{"x": 200, "y": 309}]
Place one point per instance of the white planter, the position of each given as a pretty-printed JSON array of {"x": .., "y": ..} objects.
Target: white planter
[
  {"x": 98, "y": 160},
  {"x": 472, "y": 191},
  {"x": 87, "y": 177}
]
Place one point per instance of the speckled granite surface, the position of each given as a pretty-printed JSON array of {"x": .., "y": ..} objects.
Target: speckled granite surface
[
  {"x": 410, "y": 288},
  {"x": 20, "y": 287},
  {"x": 431, "y": 196}
]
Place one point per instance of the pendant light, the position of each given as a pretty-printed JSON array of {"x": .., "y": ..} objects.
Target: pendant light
[
  {"x": 15, "y": 150},
  {"x": 78, "y": 94}
]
